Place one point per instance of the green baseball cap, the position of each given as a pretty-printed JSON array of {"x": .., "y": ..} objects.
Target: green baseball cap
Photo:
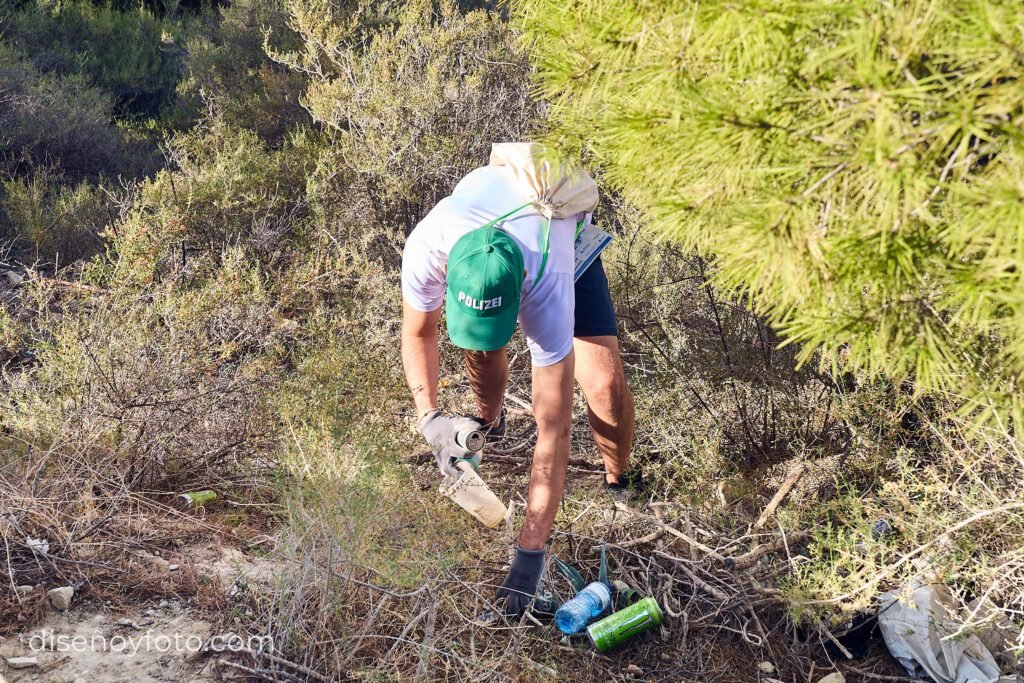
[{"x": 485, "y": 283}]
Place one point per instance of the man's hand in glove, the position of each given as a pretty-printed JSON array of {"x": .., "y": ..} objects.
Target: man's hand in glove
[
  {"x": 439, "y": 432},
  {"x": 520, "y": 585}
]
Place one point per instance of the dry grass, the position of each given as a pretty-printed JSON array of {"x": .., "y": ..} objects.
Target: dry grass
[
  {"x": 382, "y": 579},
  {"x": 242, "y": 336}
]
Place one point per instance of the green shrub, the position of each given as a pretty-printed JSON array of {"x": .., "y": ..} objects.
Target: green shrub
[
  {"x": 59, "y": 121},
  {"x": 131, "y": 54},
  {"x": 225, "y": 190},
  {"x": 61, "y": 222},
  {"x": 228, "y": 71},
  {"x": 410, "y": 103},
  {"x": 852, "y": 166}
]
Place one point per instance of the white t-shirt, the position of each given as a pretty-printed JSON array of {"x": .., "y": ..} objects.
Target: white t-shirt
[{"x": 546, "y": 310}]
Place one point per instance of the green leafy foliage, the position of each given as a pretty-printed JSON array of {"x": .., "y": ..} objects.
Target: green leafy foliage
[
  {"x": 397, "y": 94},
  {"x": 853, "y": 167},
  {"x": 49, "y": 121},
  {"x": 132, "y": 54},
  {"x": 229, "y": 72},
  {"x": 227, "y": 190}
]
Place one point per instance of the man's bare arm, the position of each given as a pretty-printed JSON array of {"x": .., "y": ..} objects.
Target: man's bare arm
[
  {"x": 552, "y": 408},
  {"x": 420, "y": 356}
]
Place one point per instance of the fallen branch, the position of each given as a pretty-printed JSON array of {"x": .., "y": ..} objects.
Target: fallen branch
[
  {"x": 259, "y": 673},
  {"x": 787, "y": 485},
  {"x": 696, "y": 580},
  {"x": 748, "y": 560},
  {"x": 309, "y": 674},
  {"x": 835, "y": 641},
  {"x": 428, "y": 640},
  {"x": 649, "y": 538},
  {"x": 694, "y": 543},
  {"x": 849, "y": 668}
]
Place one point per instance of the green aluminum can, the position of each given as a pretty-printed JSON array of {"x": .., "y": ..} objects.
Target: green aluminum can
[
  {"x": 198, "y": 498},
  {"x": 617, "y": 628}
]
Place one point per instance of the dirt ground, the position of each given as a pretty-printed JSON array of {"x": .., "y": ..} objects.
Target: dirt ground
[{"x": 167, "y": 640}]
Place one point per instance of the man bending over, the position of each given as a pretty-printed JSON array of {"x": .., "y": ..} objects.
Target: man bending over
[{"x": 491, "y": 268}]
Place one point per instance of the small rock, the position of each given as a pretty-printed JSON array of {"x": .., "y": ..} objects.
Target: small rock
[
  {"x": 192, "y": 655},
  {"x": 24, "y": 590},
  {"x": 22, "y": 662},
  {"x": 38, "y": 546},
  {"x": 634, "y": 670},
  {"x": 79, "y": 680},
  {"x": 164, "y": 604},
  {"x": 833, "y": 678},
  {"x": 61, "y": 598},
  {"x": 542, "y": 669},
  {"x": 14, "y": 279},
  {"x": 881, "y": 529},
  {"x": 766, "y": 667},
  {"x": 125, "y": 622},
  {"x": 172, "y": 567}
]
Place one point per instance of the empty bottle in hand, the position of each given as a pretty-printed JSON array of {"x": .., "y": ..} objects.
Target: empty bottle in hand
[{"x": 588, "y": 603}]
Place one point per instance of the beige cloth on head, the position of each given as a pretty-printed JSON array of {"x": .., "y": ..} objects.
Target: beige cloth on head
[{"x": 556, "y": 189}]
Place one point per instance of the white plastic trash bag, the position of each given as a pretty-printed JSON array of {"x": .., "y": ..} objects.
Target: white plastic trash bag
[
  {"x": 916, "y": 629},
  {"x": 554, "y": 188}
]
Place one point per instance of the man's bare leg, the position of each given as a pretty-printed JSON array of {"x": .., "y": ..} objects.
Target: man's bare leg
[
  {"x": 488, "y": 376},
  {"x": 600, "y": 374},
  {"x": 552, "y": 406}
]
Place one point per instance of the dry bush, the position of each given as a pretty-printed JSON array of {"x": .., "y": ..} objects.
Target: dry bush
[
  {"x": 57, "y": 121},
  {"x": 953, "y": 505},
  {"x": 161, "y": 392},
  {"x": 108, "y": 543},
  {"x": 131, "y": 400},
  {"x": 409, "y": 105},
  {"x": 225, "y": 192},
  {"x": 60, "y": 222}
]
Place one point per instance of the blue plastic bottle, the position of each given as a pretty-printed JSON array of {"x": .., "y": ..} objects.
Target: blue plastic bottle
[{"x": 588, "y": 603}]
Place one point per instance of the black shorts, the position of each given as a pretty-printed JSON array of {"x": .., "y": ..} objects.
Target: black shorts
[{"x": 595, "y": 315}]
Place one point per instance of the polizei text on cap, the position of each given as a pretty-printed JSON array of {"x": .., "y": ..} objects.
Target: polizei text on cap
[{"x": 479, "y": 304}]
